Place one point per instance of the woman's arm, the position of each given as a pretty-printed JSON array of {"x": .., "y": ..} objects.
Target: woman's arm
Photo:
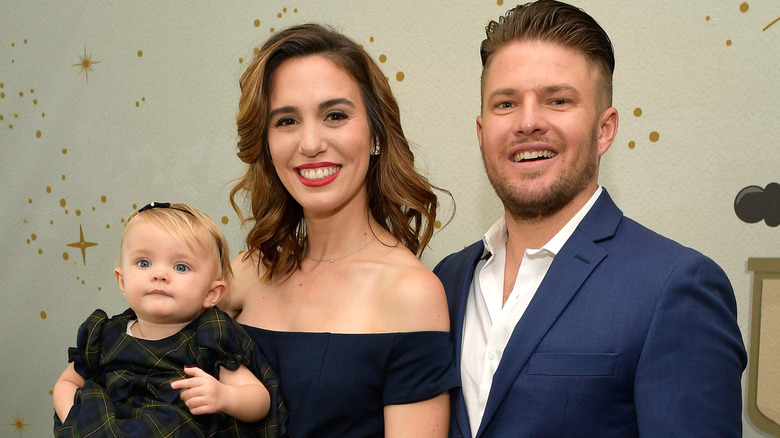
[
  {"x": 65, "y": 390},
  {"x": 419, "y": 304},
  {"x": 429, "y": 418},
  {"x": 244, "y": 278}
]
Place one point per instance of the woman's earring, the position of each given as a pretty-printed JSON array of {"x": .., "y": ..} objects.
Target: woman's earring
[{"x": 376, "y": 149}]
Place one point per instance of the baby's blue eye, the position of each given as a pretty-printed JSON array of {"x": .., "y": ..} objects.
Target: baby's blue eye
[
  {"x": 143, "y": 263},
  {"x": 181, "y": 267}
]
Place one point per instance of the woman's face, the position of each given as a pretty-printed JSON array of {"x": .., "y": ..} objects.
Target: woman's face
[{"x": 319, "y": 136}]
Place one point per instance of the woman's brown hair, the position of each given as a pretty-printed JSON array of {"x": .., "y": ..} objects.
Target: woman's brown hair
[{"x": 400, "y": 199}]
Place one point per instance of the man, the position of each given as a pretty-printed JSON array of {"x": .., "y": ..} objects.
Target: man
[{"x": 569, "y": 319}]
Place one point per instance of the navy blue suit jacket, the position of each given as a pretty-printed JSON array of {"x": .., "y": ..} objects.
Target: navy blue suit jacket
[{"x": 629, "y": 335}]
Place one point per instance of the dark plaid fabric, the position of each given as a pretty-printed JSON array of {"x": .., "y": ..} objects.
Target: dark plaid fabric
[{"x": 128, "y": 393}]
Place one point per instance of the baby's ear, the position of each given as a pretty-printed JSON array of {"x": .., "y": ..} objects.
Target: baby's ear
[
  {"x": 120, "y": 279},
  {"x": 215, "y": 294}
]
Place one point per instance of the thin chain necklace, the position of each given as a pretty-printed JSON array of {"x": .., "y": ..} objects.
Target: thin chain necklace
[{"x": 345, "y": 256}]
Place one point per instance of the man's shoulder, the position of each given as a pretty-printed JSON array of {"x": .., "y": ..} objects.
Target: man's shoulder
[
  {"x": 635, "y": 240},
  {"x": 460, "y": 260}
]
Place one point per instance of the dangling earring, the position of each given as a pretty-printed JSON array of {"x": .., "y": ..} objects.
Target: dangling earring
[{"x": 376, "y": 149}]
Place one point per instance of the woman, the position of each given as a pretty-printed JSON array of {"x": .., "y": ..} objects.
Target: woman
[{"x": 330, "y": 286}]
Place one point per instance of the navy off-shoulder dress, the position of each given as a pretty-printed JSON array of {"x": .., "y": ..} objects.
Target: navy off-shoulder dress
[{"x": 337, "y": 385}]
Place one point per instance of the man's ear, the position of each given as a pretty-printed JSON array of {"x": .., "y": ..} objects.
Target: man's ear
[
  {"x": 120, "y": 279},
  {"x": 215, "y": 294},
  {"x": 608, "y": 127}
]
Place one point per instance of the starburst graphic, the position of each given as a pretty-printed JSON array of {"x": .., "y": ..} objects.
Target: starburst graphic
[
  {"x": 770, "y": 24},
  {"x": 18, "y": 424},
  {"x": 83, "y": 245},
  {"x": 85, "y": 63}
]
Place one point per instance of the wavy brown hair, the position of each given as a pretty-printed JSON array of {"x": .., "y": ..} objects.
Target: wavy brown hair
[{"x": 400, "y": 199}]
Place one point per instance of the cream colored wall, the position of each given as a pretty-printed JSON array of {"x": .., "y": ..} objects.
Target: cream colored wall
[{"x": 152, "y": 118}]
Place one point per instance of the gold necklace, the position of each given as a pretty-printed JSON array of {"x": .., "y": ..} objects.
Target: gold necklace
[{"x": 342, "y": 257}]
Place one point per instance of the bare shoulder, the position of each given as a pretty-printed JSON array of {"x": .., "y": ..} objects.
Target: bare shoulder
[
  {"x": 246, "y": 278},
  {"x": 412, "y": 297}
]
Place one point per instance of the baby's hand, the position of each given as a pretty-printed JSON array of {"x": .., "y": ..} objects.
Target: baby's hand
[{"x": 202, "y": 393}]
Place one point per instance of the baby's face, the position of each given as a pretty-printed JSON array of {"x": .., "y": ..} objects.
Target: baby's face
[{"x": 165, "y": 278}]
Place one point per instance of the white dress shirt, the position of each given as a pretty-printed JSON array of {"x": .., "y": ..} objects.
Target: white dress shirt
[{"x": 489, "y": 322}]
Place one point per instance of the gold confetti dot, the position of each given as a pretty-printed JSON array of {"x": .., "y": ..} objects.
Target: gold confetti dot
[
  {"x": 43, "y": 314},
  {"x": 271, "y": 29},
  {"x": 43, "y": 115},
  {"x": 108, "y": 226},
  {"x": 2, "y": 95},
  {"x": 744, "y": 7},
  {"x": 637, "y": 112},
  {"x": 437, "y": 224},
  {"x": 140, "y": 53},
  {"x": 38, "y": 134},
  {"x": 63, "y": 177},
  {"x": 62, "y": 202},
  {"x": 48, "y": 189},
  {"x": 137, "y": 104},
  {"x": 78, "y": 212},
  {"x": 257, "y": 23},
  {"x": 284, "y": 9},
  {"x": 1, "y": 117},
  {"x": 371, "y": 39},
  {"x": 295, "y": 11},
  {"x": 500, "y": 2},
  {"x": 21, "y": 94},
  {"x": 728, "y": 43},
  {"x": 279, "y": 15},
  {"x": 32, "y": 91},
  {"x": 10, "y": 126},
  {"x": 399, "y": 76},
  {"x": 40, "y": 251},
  {"x": 65, "y": 256},
  {"x": 654, "y": 136},
  {"x": 64, "y": 152},
  {"x": 103, "y": 199},
  {"x": 382, "y": 58},
  {"x": 631, "y": 144},
  {"x": 33, "y": 236},
  {"x": 35, "y": 101},
  {"x": 225, "y": 220},
  {"x": 29, "y": 201},
  {"x": 28, "y": 241}
]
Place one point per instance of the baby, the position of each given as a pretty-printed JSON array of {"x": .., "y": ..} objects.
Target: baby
[{"x": 173, "y": 364}]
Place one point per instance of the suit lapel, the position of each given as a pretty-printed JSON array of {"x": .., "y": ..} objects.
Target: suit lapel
[
  {"x": 569, "y": 270},
  {"x": 458, "y": 299}
]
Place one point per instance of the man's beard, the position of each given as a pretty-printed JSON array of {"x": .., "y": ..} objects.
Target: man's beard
[{"x": 534, "y": 207}]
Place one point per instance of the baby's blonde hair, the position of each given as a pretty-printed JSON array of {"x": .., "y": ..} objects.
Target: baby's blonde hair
[{"x": 185, "y": 221}]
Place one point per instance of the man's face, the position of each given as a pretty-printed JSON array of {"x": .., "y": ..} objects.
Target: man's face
[{"x": 541, "y": 132}]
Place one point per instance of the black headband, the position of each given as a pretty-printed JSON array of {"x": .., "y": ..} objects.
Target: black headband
[{"x": 163, "y": 205}]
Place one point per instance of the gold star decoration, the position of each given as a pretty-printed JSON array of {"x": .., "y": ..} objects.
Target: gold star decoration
[
  {"x": 83, "y": 245},
  {"x": 770, "y": 24},
  {"x": 85, "y": 63},
  {"x": 18, "y": 424}
]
